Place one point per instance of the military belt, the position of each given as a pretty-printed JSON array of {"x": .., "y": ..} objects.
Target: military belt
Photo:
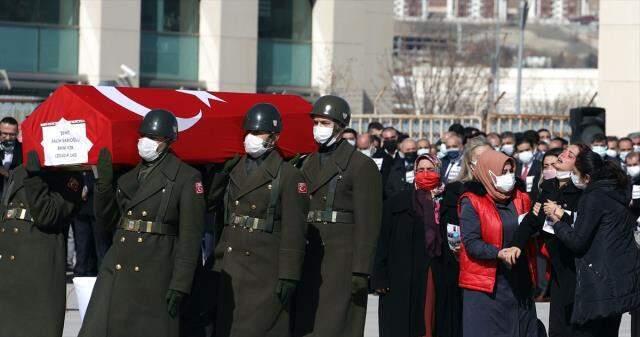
[
  {"x": 250, "y": 223},
  {"x": 330, "y": 216},
  {"x": 17, "y": 214},
  {"x": 142, "y": 226}
]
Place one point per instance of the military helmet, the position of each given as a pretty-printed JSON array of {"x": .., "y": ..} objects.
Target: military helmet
[
  {"x": 334, "y": 108},
  {"x": 160, "y": 123},
  {"x": 263, "y": 117}
]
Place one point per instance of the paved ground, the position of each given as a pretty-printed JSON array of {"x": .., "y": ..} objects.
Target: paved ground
[{"x": 72, "y": 323}]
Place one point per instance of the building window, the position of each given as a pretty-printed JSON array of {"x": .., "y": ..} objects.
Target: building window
[
  {"x": 284, "y": 44},
  {"x": 169, "y": 40},
  {"x": 39, "y": 36}
]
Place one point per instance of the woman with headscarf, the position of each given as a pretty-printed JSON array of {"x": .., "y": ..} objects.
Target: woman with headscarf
[
  {"x": 410, "y": 238},
  {"x": 497, "y": 287}
]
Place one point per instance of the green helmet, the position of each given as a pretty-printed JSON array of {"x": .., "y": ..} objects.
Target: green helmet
[
  {"x": 334, "y": 108},
  {"x": 160, "y": 123},
  {"x": 263, "y": 117}
]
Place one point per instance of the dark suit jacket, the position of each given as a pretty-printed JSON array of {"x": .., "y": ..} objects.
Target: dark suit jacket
[
  {"x": 535, "y": 171},
  {"x": 15, "y": 162},
  {"x": 397, "y": 182},
  {"x": 387, "y": 162}
]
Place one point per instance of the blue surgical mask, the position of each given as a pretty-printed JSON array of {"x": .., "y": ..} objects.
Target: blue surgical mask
[{"x": 453, "y": 153}]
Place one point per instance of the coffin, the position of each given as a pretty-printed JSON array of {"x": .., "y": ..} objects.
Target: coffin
[{"x": 76, "y": 121}]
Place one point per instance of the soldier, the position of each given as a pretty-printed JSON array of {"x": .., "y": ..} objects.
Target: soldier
[
  {"x": 36, "y": 207},
  {"x": 260, "y": 254},
  {"x": 345, "y": 188},
  {"x": 158, "y": 214}
]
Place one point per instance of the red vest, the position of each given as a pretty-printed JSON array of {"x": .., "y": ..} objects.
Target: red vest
[{"x": 480, "y": 275}]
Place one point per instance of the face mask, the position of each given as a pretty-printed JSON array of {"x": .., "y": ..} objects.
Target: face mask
[
  {"x": 633, "y": 171},
  {"x": 427, "y": 180},
  {"x": 352, "y": 142},
  {"x": 549, "y": 174},
  {"x": 624, "y": 154},
  {"x": 600, "y": 150},
  {"x": 322, "y": 135},
  {"x": 525, "y": 157},
  {"x": 441, "y": 155},
  {"x": 148, "y": 149},
  {"x": 453, "y": 153},
  {"x": 575, "y": 179},
  {"x": 390, "y": 145},
  {"x": 546, "y": 141},
  {"x": 411, "y": 157},
  {"x": 443, "y": 148},
  {"x": 563, "y": 175},
  {"x": 8, "y": 145},
  {"x": 366, "y": 152},
  {"x": 497, "y": 148},
  {"x": 636, "y": 148},
  {"x": 504, "y": 183},
  {"x": 422, "y": 152},
  {"x": 254, "y": 146},
  {"x": 507, "y": 149},
  {"x": 612, "y": 153}
]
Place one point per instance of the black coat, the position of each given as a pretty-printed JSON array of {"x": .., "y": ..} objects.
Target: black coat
[
  {"x": 535, "y": 171},
  {"x": 387, "y": 162},
  {"x": 635, "y": 203},
  {"x": 401, "y": 265},
  {"x": 397, "y": 182},
  {"x": 15, "y": 161},
  {"x": 562, "y": 259},
  {"x": 608, "y": 262}
]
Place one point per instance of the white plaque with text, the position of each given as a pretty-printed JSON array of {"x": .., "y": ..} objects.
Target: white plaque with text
[{"x": 65, "y": 143}]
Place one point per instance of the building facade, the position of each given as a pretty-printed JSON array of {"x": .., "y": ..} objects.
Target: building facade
[{"x": 309, "y": 47}]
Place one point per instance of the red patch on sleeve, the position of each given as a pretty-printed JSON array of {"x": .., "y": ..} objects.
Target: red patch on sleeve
[
  {"x": 302, "y": 188},
  {"x": 199, "y": 188}
]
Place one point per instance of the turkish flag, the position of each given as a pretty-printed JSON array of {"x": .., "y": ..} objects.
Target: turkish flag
[{"x": 209, "y": 123}]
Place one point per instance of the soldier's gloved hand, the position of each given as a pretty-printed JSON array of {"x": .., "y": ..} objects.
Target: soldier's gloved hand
[
  {"x": 33, "y": 164},
  {"x": 105, "y": 167},
  {"x": 285, "y": 289},
  {"x": 359, "y": 289},
  {"x": 174, "y": 298},
  {"x": 230, "y": 164}
]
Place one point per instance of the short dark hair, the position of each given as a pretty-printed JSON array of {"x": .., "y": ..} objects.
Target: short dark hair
[
  {"x": 552, "y": 153},
  {"x": 508, "y": 134},
  {"x": 349, "y": 130},
  {"x": 612, "y": 139},
  {"x": 9, "y": 120},
  {"x": 544, "y": 130},
  {"x": 590, "y": 163},
  {"x": 457, "y": 128},
  {"x": 560, "y": 139},
  {"x": 375, "y": 125},
  {"x": 391, "y": 128},
  {"x": 533, "y": 136},
  {"x": 625, "y": 139},
  {"x": 526, "y": 140},
  {"x": 598, "y": 137}
]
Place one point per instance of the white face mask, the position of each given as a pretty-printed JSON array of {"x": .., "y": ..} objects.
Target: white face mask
[
  {"x": 612, "y": 153},
  {"x": 322, "y": 135},
  {"x": 422, "y": 152},
  {"x": 525, "y": 157},
  {"x": 624, "y": 154},
  {"x": 600, "y": 150},
  {"x": 575, "y": 179},
  {"x": 633, "y": 171},
  {"x": 366, "y": 152},
  {"x": 563, "y": 175},
  {"x": 148, "y": 149},
  {"x": 352, "y": 142},
  {"x": 441, "y": 155},
  {"x": 636, "y": 148},
  {"x": 507, "y": 149},
  {"x": 504, "y": 183},
  {"x": 254, "y": 146}
]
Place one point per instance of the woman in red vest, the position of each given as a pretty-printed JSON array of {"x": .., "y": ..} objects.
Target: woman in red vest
[{"x": 498, "y": 288}]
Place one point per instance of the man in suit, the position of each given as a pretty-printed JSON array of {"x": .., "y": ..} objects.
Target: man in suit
[
  {"x": 527, "y": 168},
  {"x": 401, "y": 173},
  {"x": 10, "y": 148},
  {"x": 451, "y": 161}
]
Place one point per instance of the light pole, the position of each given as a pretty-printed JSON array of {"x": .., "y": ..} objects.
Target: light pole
[{"x": 524, "y": 9}]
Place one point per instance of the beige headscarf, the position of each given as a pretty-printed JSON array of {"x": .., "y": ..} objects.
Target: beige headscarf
[{"x": 493, "y": 161}]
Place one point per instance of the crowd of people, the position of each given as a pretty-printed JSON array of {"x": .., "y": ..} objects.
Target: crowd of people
[{"x": 457, "y": 236}]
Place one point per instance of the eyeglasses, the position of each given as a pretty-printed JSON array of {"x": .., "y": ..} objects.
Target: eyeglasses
[{"x": 8, "y": 134}]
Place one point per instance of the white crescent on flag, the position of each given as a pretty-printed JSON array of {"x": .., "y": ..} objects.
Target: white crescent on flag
[{"x": 122, "y": 100}]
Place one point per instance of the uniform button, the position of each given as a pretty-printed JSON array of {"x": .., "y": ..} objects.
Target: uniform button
[
  {"x": 2, "y": 230},
  {"x": 118, "y": 267},
  {"x": 237, "y": 202},
  {"x": 140, "y": 239},
  {"x": 129, "y": 213},
  {"x": 0, "y": 256},
  {"x": 324, "y": 198},
  {"x": 136, "y": 268},
  {"x": 21, "y": 205},
  {"x": 12, "y": 257},
  {"x": 163, "y": 190},
  {"x": 229, "y": 250},
  {"x": 144, "y": 213},
  {"x": 253, "y": 206},
  {"x": 247, "y": 253},
  {"x": 269, "y": 187},
  {"x": 122, "y": 239},
  {"x": 16, "y": 230}
]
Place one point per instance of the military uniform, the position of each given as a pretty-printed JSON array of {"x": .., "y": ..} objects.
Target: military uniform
[
  {"x": 35, "y": 211},
  {"x": 158, "y": 213},
  {"x": 344, "y": 222},
  {"x": 263, "y": 242}
]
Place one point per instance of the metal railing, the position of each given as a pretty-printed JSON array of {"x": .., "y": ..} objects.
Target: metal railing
[
  {"x": 433, "y": 126},
  {"x": 18, "y": 107}
]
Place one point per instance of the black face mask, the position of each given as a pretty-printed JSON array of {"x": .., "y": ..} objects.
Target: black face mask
[
  {"x": 8, "y": 145},
  {"x": 410, "y": 157},
  {"x": 390, "y": 145}
]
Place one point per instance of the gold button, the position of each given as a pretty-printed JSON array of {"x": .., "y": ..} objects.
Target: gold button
[
  {"x": 140, "y": 239},
  {"x": 0, "y": 256},
  {"x": 229, "y": 250},
  {"x": 2, "y": 230},
  {"x": 118, "y": 267},
  {"x": 237, "y": 202},
  {"x": 324, "y": 198},
  {"x": 21, "y": 205},
  {"x": 12, "y": 257},
  {"x": 253, "y": 206},
  {"x": 129, "y": 213},
  {"x": 144, "y": 213},
  {"x": 122, "y": 239},
  {"x": 269, "y": 187},
  {"x": 247, "y": 253},
  {"x": 136, "y": 268},
  {"x": 16, "y": 230},
  {"x": 163, "y": 190}
]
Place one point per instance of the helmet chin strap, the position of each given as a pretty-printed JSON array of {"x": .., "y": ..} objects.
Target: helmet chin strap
[{"x": 337, "y": 132}]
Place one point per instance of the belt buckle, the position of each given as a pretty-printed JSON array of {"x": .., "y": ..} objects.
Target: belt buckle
[
  {"x": 131, "y": 225},
  {"x": 11, "y": 213}
]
